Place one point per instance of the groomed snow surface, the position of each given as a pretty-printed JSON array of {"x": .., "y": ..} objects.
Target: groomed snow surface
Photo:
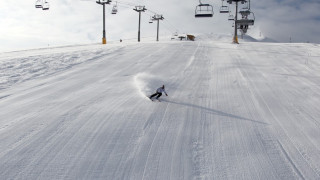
[{"x": 246, "y": 111}]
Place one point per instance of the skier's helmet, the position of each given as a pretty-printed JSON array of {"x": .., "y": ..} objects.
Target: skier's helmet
[{"x": 163, "y": 86}]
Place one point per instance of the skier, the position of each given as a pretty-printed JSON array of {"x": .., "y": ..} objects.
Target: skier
[{"x": 158, "y": 93}]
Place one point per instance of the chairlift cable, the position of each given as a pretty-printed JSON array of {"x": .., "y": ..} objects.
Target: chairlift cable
[
  {"x": 147, "y": 12},
  {"x": 170, "y": 24},
  {"x": 126, "y": 4},
  {"x": 168, "y": 28}
]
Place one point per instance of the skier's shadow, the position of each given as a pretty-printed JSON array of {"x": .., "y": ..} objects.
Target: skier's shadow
[{"x": 219, "y": 113}]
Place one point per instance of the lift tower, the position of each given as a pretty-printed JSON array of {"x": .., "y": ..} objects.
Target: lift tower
[
  {"x": 157, "y": 17},
  {"x": 103, "y": 3},
  {"x": 235, "y": 37},
  {"x": 139, "y": 9}
]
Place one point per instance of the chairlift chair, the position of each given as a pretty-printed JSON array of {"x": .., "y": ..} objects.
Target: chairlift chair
[
  {"x": 39, "y": 4},
  {"x": 114, "y": 9},
  {"x": 204, "y": 10},
  {"x": 150, "y": 21},
  {"x": 231, "y": 17},
  {"x": 246, "y": 20},
  {"x": 45, "y": 6},
  {"x": 224, "y": 9}
]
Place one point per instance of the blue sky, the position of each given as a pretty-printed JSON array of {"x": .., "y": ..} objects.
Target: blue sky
[{"x": 80, "y": 21}]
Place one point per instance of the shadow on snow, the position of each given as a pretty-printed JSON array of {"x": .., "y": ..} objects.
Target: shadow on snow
[{"x": 216, "y": 112}]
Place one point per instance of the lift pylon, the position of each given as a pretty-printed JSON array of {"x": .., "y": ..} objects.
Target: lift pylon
[
  {"x": 157, "y": 18},
  {"x": 235, "y": 37},
  {"x": 139, "y": 9},
  {"x": 103, "y": 3}
]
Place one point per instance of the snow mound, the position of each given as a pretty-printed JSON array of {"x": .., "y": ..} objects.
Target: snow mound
[
  {"x": 228, "y": 38},
  {"x": 214, "y": 37}
]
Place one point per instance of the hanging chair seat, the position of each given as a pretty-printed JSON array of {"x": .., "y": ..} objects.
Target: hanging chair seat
[
  {"x": 224, "y": 9},
  {"x": 248, "y": 22},
  {"x": 204, "y": 10},
  {"x": 45, "y": 6},
  {"x": 39, "y": 4}
]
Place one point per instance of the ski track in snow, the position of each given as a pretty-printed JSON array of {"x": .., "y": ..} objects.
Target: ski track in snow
[{"x": 247, "y": 111}]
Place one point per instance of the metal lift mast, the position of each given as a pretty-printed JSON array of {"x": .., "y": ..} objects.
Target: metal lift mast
[
  {"x": 139, "y": 9},
  {"x": 103, "y": 3},
  {"x": 157, "y": 17},
  {"x": 235, "y": 37}
]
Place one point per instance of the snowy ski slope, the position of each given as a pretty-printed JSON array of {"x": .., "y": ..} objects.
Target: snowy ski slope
[{"x": 247, "y": 111}]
